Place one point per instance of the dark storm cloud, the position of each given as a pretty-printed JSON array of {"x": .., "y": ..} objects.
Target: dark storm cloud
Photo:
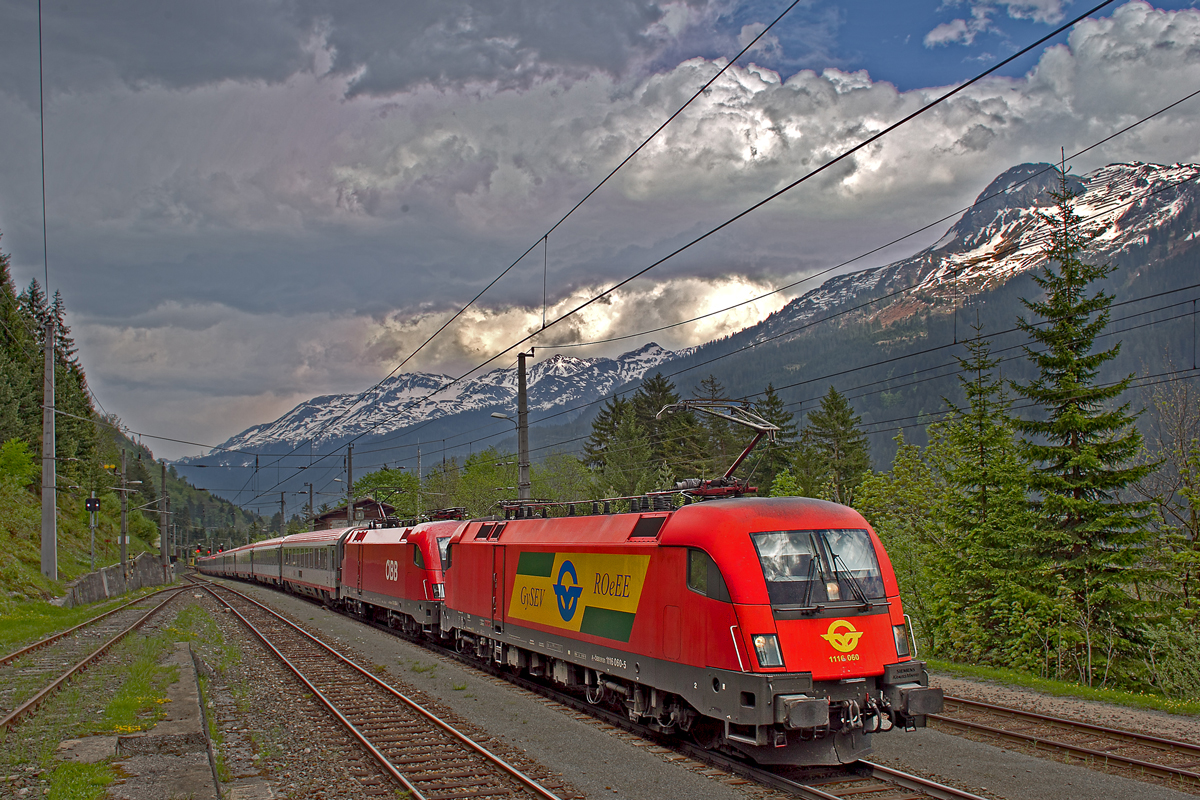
[
  {"x": 147, "y": 42},
  {"x": 508, "y": 42},
  {"x": 266, "y": 201},
  {"x": 388, "y": 47}
]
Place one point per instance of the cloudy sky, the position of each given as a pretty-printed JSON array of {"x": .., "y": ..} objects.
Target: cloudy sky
[{"x": 250, "y": 203}]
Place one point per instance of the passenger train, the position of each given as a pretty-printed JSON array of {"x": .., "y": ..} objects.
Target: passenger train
[{"x": 768, "y": 627}]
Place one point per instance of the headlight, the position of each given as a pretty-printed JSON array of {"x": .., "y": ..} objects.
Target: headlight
[
  {"x": 900, "y": 634},
  {"x": 833, "y": 591},
  {"x": 439, "y": 592},
  {"x": 766, "y": 646}
]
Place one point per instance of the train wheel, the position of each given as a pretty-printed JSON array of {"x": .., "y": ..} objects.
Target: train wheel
[{"x": 707, "y": 733}]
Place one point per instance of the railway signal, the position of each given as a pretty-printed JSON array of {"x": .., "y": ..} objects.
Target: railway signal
[{"x": 92, "y": 504}]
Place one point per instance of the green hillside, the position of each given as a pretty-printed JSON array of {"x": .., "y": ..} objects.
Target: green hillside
[{"x": 88, "y": 451}]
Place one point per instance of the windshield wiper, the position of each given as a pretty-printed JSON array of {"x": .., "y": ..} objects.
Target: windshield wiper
[
  {"x": 853, "y": 581},
  {"x": 808, "y": 583}
]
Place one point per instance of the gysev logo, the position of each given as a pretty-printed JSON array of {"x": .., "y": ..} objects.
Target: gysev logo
[
  {"x": 568, "y": 596},
  {"x": 593, "y": 593},
  {"x": 842, "y": 642}
]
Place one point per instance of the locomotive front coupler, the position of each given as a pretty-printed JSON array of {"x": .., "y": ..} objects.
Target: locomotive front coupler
[{"x": 908, "y": 695}]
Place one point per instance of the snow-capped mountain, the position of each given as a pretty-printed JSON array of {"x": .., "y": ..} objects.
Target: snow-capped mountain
[
  {"x": 1136, "y": 213},
  {"x": 1125, "y": 207},
  {"x": 414, "y": 397}
]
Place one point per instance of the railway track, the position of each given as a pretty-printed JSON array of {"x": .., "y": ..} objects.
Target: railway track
[
  {"x": 30, "y": 675},
  {"x": 1138, "y": 754},
  {"x": 863, "y": 779},
  {"x": 425, "y": 756}
]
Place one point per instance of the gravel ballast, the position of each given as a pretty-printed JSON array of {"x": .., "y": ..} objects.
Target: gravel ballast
[{"x": 605, "y": 763}]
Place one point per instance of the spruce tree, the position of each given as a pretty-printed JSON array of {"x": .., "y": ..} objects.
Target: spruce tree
[
  {"x": 986, "y": 520},
  {"x": 627, "y": 469},
  {"x": 604, "y": 428},
  {"x": 770, "y": 458},
  {"x": 721, "y": 447},
  {"x": 838, "y": 446},
  {"x": 676, "y": 439},
  {"x": 1082, "y": 447}
]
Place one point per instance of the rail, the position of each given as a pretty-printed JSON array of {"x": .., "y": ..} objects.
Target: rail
[
  {"x": 1093, "y": 754},
  {"x": 355, "y": 723},
  {"x": 32, "y": 703}
]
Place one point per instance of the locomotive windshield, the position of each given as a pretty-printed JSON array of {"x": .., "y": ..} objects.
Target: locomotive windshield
[
  {"x": 443, "y": 543},
  {"x": 809, "y": 567}
]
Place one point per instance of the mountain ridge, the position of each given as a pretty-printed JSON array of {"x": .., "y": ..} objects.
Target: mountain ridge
[{"x": 1135, "y": 212}]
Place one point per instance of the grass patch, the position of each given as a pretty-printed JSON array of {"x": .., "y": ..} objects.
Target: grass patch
[
  {"x": 137, "y": 705},
  {"x": 1154, "y": 702},
  {"x": 420, "y": 668},
  {"x": 72, "y": 781},
  {"x": 20, "y": 543},
  {"x": 123, "y": 693},
  {"x": 194, "y": 623},
  {"x": 267, "y": 746},
  {"x": 27, "y": 621},
  {"x": 458, "y": 687}
]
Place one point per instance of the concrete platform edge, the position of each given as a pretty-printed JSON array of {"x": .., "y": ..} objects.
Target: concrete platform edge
[{"x": 212, "y": 758}]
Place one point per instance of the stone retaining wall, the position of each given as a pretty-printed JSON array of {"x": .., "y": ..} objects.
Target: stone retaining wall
[{"x": 146, "y": 570}]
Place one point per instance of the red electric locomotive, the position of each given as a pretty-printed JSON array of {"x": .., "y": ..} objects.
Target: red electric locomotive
[
  {"x": 770, "y": 627},
  {"x": 394, "y": 575}
]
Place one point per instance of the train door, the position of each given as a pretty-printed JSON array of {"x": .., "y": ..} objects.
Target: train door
[
  {"x": 498, "y": 588},
  {"x": 359, "y": 551}
]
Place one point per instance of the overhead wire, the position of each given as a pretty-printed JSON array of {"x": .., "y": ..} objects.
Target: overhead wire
[
  {"x": 825, "y": 319},
  {"x": 127, "y": 430},
  {"x": 978, "y": 201},
  {"x": 544, "y": 238},
  {"x": 789, "y": 187},
  {"x": 884, "y": 362},
  {"x": 850, "y": 310}
]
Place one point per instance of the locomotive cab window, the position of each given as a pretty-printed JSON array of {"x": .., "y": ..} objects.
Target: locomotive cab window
[
  {"x": 805, "y": 568},
  {"x": 418, "y": 556},
  {"x": 443, "y": 543},
  {"x": 704, "y": 577}
]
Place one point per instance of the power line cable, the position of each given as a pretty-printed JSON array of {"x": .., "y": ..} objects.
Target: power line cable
[
  {"x": 980, "y": 200},
  {"x": 544, "y": 238},
  {"x": 882, "y": 362},
  {"x": 42, "y": 141},
  {"x": 837, "y": 159},
  {"x": 937, "y": 348},
  {"x": 127, "y": 431}
]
